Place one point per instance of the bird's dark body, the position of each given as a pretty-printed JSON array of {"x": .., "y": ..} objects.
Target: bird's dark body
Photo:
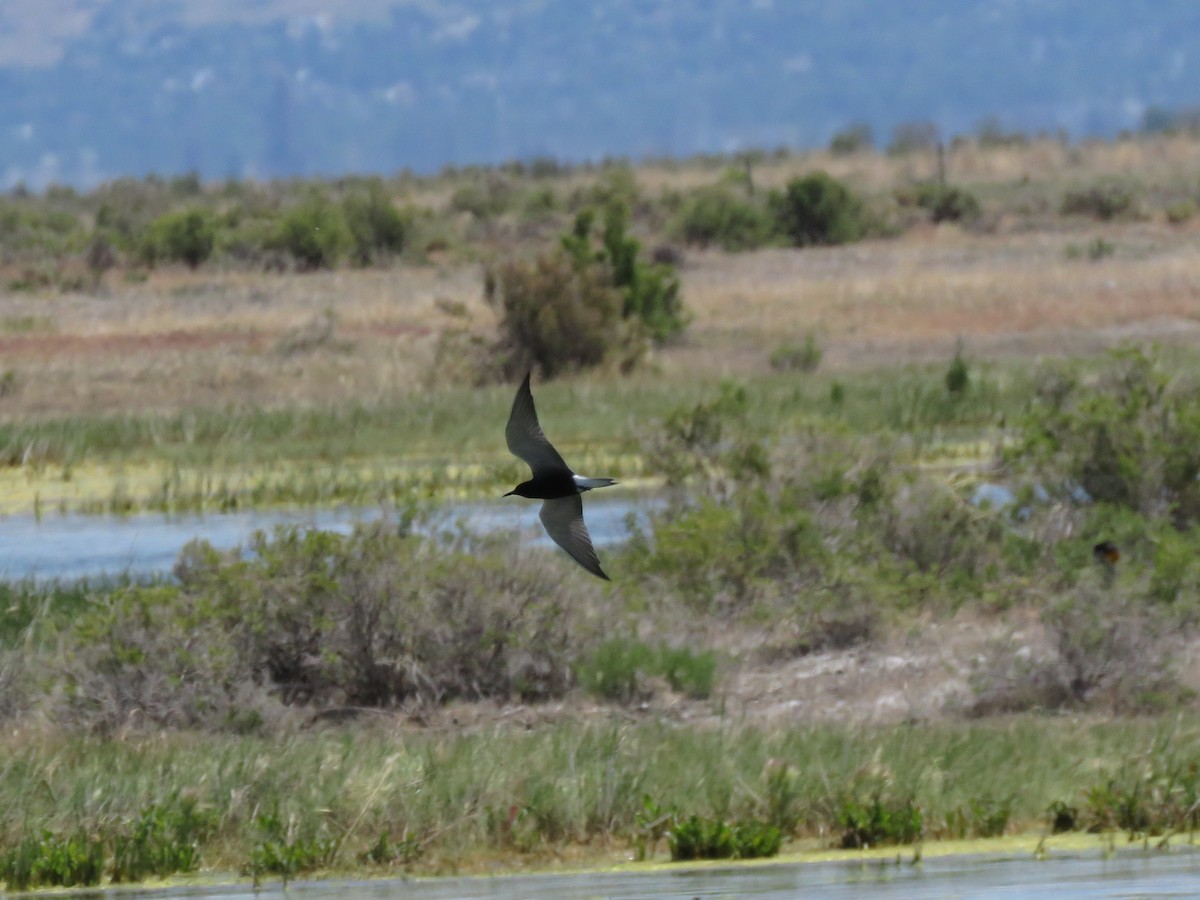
[{"x": 549, "y": 487}]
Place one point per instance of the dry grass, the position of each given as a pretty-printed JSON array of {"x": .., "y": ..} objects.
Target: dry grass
[{"x": 185, "y": 339}]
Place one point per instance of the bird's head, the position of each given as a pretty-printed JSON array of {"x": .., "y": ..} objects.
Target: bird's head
[{"x": 521, "y": 490}]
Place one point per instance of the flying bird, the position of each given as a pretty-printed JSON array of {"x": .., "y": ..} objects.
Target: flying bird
[{"x": 553, "y": 482}]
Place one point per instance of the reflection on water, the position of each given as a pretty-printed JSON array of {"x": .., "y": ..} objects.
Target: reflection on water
[
  {"x": 1163, "y": 874},
  {"x": 69, "y": 547}
]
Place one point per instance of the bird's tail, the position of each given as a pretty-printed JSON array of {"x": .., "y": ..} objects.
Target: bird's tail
[{"x": 586, "y": 484}]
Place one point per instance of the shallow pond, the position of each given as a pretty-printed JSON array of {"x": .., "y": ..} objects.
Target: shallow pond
[
  {"x": 76, "y": 546},
  {"x": 1141, "y": 875}
]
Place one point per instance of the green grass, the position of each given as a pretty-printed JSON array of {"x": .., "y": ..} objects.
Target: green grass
[
  {"x": 310, "y": 799},
  {"x": 450, "y": 442}
]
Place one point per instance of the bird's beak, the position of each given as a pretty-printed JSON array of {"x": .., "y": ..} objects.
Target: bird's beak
[{"x": 510, "y": 493}]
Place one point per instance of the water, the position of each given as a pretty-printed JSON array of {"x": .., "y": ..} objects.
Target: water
[
  {"x": 70, "y": 547},
  {"x": 1126, "y": 875}
]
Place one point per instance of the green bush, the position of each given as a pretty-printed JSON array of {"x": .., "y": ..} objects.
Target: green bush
[
  {"x": 855, "y": 138},
  {"x": 314, "y": 233},
  {"x": 1131, "y": 439},
  {"x": 51, "y": 860},
  {"x": 798, "y": 357},
  {"x": 699, "y": 838},
  {"x": 947, "y": 202},
  {"x": 374, "y": 618},
  {"x": 621, "y": 669},
  {"x": 585, "y": 303},
  {"x": 186, "y": 235},
  {"x": 377, "y": 229},
  {"x": 880, "y": 819},
  {"x": 715, "y": 215},
  {"x": 1180, "y": 211},
  {"x": 818, "y": 209},
  {"x": 651, "y": 290},
  {"x": 557, "y": 315},
  {"x": 1104, "y": 200},
  {"x": 484, "y": 197},
  {"x": 958, "y": 375}
]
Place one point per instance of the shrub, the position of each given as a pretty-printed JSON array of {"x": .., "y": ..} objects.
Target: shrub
[
  {"x": 855, "y": 138},
  {"x": 1105, "y": 200},
  {"x": 621, "y": 670},
  {"x": 958, "y": 376},
  {"x": 374, "y": 618},
  {"x": 186, "y": 236},
  {"x": 947, "y": 202},
  {"x": 651, "y": 291},
  {"x": 880, "y": 819},
  {"x": 1180, "y": 211},
  {"x": 714, "y": 215},
  {"x": 699, "y": 838},
  {"x": 818, "y": 209},
  {"x": 797, "y": 357},
  {"x": 1131, "y": 439},
  {"x": 585, "y": 303},
  {"x": 377, "y": 229},
  {"x": 485, "y": 197},
  {"x": 557, "y": 315},
  {"x": 314, "y": 233}
]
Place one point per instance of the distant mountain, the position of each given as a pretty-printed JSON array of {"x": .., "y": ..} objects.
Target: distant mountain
[{"x": 92, "y": 89}]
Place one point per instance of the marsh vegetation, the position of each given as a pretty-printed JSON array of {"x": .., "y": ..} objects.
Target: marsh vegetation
[{"x": 826, "y": 635}]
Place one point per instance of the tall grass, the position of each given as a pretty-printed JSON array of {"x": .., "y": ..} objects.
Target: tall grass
[
  {"x": 449, "y": 442},
  {"x": 457, "y": 798}
]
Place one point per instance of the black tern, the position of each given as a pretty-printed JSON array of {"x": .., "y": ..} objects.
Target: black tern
[{"x": 553, "y": 482}]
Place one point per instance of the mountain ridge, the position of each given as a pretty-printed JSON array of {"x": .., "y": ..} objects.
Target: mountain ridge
[{"x": 303, "y": 87}]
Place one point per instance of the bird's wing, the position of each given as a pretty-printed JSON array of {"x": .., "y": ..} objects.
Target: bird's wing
[
  {"x": 525, "y": 438},
  {"x": 563, "y": 519}
]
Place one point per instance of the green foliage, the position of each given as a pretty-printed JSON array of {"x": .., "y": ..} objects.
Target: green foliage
[
  {"x": 584, "y": 304},
  {"x": 164, "y": 840},
  {"x": 1104, "y": 200},
  {"x": 558, "y": 315},
  {"x": 946, "y": 202},
  {"x": 378, "y": 231},
  {"x": 878, "y": 819},
  {"x": 1158, "y": 796},
  {"x": 186, "y": 235},
  {"x": 855, "y": 138},
  {"x": 818, "y": 209},
  {"x": 484, "y": 197},
  {"x": 1062, "y": 817},
  {"x": 1131, "y": 440},
  {"x": 715, "y": 215},
  {"x": 621, "y": 669},
  {"x": 651, "y": 290},
  {"x": 1181, "y": 211},
  {"x": 283, "y": 850},
  {"x": 31, "y": 231},
  {"x": 51, "y": 860},
  {"x": 1096, "y": 250},
  {"x": 958, "y": 376},
  {"x": 804, "y": 356},
  {"x": 314, "y": 233},
  {"x": 375, "y": 618},
  {"x": 699, "y": 838}
]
